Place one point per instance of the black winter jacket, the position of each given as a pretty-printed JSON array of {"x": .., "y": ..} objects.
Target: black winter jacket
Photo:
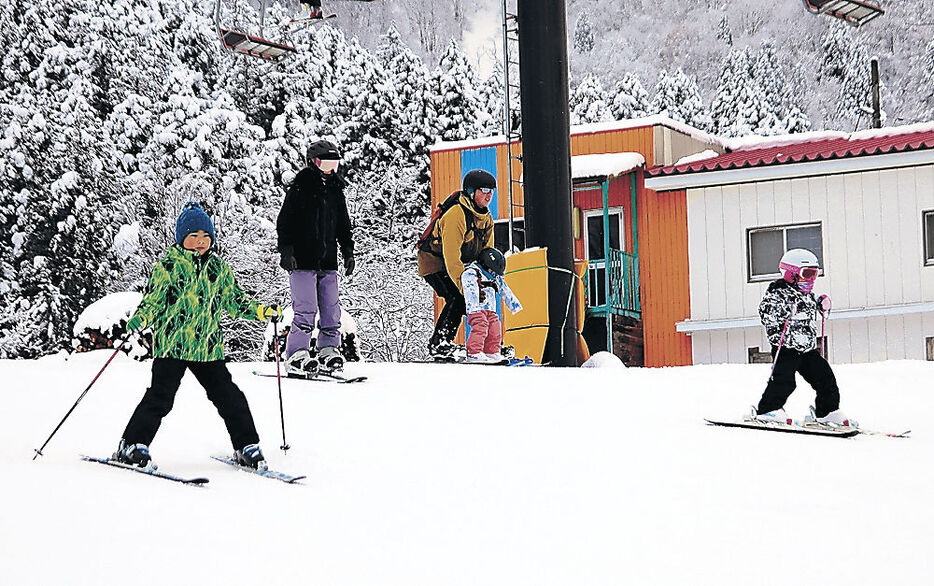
[{"x": 314, "y": 220}]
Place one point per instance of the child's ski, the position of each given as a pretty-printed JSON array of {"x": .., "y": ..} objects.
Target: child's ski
[
  {"x": 147, "y": 471},
  {"x": 787, "y": 428},
  {"x": 884, "y": 434},
  {"x": 811, "y": 420},
  {"x": 274, "y": 474},
  {"x": 321, "y": 376}
]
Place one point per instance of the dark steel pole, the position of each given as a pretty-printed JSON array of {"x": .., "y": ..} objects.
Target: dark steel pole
[
  {"x": 546, "y": 162},
  {"x": 876, "y": 102}
]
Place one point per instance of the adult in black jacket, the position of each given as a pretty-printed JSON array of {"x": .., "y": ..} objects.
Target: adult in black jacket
[{"x": 311, "y": 225}]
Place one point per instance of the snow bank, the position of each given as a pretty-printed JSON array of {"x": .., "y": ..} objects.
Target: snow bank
[
  {"x": 604, "y": 360},
  {"x": 105, "y": 313}
]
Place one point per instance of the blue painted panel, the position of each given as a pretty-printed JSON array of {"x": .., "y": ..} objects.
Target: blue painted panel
[{"x": 483, "y": 158}]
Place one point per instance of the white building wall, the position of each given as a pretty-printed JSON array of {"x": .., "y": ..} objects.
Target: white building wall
[{"x": 873, "y": 259}]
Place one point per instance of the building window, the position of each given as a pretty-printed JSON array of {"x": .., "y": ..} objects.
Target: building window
[
  {"x": 929, "y": 237},
  {"x": 765, "y": 247},
  {"x": 929, "y": 348},
  {"x": 501, "y": 234}
]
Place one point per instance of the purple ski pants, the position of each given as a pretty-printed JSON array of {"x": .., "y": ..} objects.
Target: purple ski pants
[{"x": 314, "y": 292}]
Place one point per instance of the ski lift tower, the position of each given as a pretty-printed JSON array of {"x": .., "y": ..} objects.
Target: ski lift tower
[{"x": 546, "y": 162}]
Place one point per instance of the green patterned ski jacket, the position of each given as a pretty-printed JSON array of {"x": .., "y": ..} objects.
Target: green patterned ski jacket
[{"x": 183, "y": 302}]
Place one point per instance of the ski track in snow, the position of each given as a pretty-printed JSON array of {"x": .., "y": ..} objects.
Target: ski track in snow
[{"x": 454, "y": 475}]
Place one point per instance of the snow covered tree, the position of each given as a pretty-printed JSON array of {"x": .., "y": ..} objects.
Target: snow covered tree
[
  {"x": 391, "y": 304},
  {"x": 677, "y": 96},
  {"x": 370, "y": 131},
  {"x": 724, "y": 33},
  {"x": 588, "y": 102},
  {"x": 630, "y": 100},
  {"x": 58, "y": 189},
  {"x": 452, "y": 108},
  {"x": 490, "y": 95},
  {"x": 848, "y": 62},
  {"x": 409, "y": 76},
  {"x": 584, "y": 38},
  {"x": 928, "y": 79},
  {"x": 742, "y": 106}
]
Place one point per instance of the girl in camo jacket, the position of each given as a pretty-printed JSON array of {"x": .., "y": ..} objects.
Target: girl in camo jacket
[{"x": 789, "y": 312}]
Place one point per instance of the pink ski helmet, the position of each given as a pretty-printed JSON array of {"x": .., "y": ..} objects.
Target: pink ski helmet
[{"x": 800, "y": 267}]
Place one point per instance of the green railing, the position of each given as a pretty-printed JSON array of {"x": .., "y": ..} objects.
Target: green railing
[
  {"x": 621, "y": 295},
  {"x": 624, "y": 282}
]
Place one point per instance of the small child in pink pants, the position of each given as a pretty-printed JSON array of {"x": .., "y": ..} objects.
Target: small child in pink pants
[{"x": 481, "y": 281}]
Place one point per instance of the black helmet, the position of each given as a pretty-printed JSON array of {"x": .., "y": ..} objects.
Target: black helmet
[
  {"x": 492, "y": 260},
  {"x": 478, "y": 178},
  {"x": 323, "y": 149}
]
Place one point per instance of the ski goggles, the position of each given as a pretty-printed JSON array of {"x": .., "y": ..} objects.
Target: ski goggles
[
  {"x": 485, "y": 190},
  {"x": 809, "y": 273}
]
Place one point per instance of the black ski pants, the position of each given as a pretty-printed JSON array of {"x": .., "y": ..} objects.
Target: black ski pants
[
  {"x": 167, "y": 375},
  {"x": 813, "y": 368},
  {"x": 453, "y": 311}
]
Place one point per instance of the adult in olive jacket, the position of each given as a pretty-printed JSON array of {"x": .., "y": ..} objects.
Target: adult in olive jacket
[{"x": 456, "y": 240}]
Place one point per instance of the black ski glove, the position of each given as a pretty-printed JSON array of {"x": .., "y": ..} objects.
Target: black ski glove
[
  {"x": 287, "y": 259},
  {"x": 349, "y": 264}
]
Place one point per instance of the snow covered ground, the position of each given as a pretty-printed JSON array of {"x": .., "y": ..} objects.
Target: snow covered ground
[{"x": 459, "y": 475}]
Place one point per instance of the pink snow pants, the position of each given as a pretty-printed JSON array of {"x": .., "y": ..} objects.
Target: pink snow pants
[{"x": 486, "y": 332}]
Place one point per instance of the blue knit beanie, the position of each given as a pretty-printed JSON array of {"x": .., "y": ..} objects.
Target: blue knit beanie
[{"x": 192, "y": 219}]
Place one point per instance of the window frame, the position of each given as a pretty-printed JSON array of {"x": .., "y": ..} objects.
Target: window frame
[
  {"x": 515, "y": 220},
  {"x": 598, "y": 212},
  {"x": 928, "y": 261},
  {"x": 750, "y": 278}
]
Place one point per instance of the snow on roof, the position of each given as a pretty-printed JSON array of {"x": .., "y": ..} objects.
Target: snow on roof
[
  {"x": 810, "y": 146},
  {"x": 752, "y": 141},
  {"x": 697, "y": 157},
  {"x": 608, "y": 165},
  {"x": 655, "y": 120}
]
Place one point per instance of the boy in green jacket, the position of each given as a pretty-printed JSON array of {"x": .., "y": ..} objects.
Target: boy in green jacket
[{"x": 186, "y": 294}]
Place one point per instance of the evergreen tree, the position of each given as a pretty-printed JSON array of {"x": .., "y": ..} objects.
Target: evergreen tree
[
  {"x": 408, "y": 75},
  {"x": 588, "y": 102},
  {"x": 452, "y": 108},
  {"x": 56, "y": 200},
  {"x": 724, "y": 33},
  {"x": 584, "y": 38},
  {"x": 630, "y": 98},
  {"x": 927, "y": 84},
  {"x": 677, "y": 96},
  {"x": 490, "y": 95}
]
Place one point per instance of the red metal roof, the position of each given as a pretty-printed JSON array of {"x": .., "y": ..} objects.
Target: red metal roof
[{"x": 808, "y": 150}]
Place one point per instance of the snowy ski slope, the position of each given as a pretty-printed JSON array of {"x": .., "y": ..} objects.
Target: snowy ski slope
[{"x": 455, "y": 475}]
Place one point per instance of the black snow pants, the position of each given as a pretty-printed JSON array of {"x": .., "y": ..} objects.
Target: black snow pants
[
  {"x": 454, "y": 307},
  {"x": 813, "y": 368},
  {"x": 160, "y": 396}
]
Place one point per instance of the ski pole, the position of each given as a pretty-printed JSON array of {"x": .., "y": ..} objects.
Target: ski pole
[
  {"x": 781, "y": 341},
  {"x": 824, "y": 303},
  {"x": 57, "y": 427},
  {"x": 275, "y": 337}
]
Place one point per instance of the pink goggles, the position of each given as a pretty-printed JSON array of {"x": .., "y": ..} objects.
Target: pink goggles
[{"x": 805, "y": 273}]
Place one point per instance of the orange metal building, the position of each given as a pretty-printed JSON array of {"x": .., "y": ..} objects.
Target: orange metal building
[{"x": 656, "y": 233}]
